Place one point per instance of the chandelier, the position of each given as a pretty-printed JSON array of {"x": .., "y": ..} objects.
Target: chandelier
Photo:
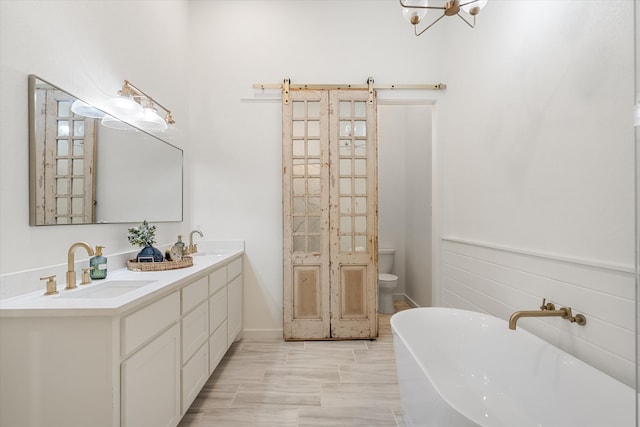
[{"x": 415, "y": 11}]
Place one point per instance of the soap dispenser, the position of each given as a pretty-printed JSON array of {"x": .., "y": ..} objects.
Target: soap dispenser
[{"x": 98, "y": 264}]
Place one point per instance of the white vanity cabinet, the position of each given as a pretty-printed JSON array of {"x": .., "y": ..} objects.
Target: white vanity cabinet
[{"x": 137, "y": 366}]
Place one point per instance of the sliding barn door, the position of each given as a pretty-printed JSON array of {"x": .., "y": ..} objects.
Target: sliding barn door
[{"x": 329, "y": 215}]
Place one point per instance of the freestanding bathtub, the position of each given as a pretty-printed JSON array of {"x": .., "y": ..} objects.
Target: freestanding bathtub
[{"x": 460, "y": 368}]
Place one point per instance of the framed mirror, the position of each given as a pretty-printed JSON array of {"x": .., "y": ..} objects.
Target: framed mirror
[{"x": 82, "y": 172}]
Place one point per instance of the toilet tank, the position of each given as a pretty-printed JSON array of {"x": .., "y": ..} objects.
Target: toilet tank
[{"x": 385, "y": 260}]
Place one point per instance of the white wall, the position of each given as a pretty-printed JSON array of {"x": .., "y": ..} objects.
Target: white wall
[
  {"x": 88, "y": 49},
  {"x": 236, "y": 133},
  {"x": 538, "y": 172}
]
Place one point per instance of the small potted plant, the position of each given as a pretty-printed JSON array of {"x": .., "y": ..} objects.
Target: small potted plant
[{"x": 144, "y": 235}]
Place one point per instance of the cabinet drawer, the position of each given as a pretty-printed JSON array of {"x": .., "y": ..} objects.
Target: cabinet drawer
[
  {"x": 195, "y": 330},
  {"x": 234, "y": 269},
  {"x": 217, "y": 280},
  {"x": 150, "y": 395},
  {"x": 194, "y": 375},
  {"x": 217, "y": 346},
  {"x": 194, "y": 294},
  {"x": 147, "y": 322},
  {"x": 217, "y": 309}
]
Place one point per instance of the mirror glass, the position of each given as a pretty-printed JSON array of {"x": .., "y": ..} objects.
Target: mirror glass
[{"x": 82, "y": 172}]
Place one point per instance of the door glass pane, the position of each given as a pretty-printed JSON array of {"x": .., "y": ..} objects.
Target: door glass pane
[
  {"x": 360, "y": 205},
  {"x": 77, "y": 205},
  {"x": 345, "y": 109},
  {"x": 299, "y": 243},
  {"x": 314, "y": 205},
  {"x": 64, "y": 108},
  {"x": 299, "y": 186},
  {"x": 361, "y": 243},
  {"x": 298, "y": 167},
  {"x": 314, "y": 243},
  {"x": 62, "y": 166},
  {"x": 361, "y": 148},
  {"x": 360, "y": 128},
  {"x": 313, "y": 109},
  {"x": 313, "y": 128},
  {"x": 298, "y": 147},
  {"x": 299, "y": 224},
  {"x": 345, "y": 148},
  {"x": 360, "y": 224},
  {"x": 345, "y": 185},
  {"x": 314, "y": 224},
  {"x": 313, "y": 168},
  {"x": 360, "y": 109},
  {"x": 345, "y": 128},
  {"x": 63, "y": 147},
  {"x": 345, "y": 205},
  {"x": 77, "y": 186},
  {"x": 345, "y": 244},
  {"x": 298, "y": 205},
  {"x": 345, "y": 167},
  {"x": 78, "y": 147},
  {"x": 313, "y": 148},
  {"x": 78, "y": 166},
  {"x": 78, "y": 128},
  {"x": 360, "y": 185},
  {"x": 360, "y": 166},
  {"x": 345, "y": 224},
  {"x": 297, "y": 108},
  {"x": 314, "y": 186},
  {"x": 62, "y": 206},
  {"x": 63, "y": 127},
  {"x": 298, "y": 128},
  {"x": 62, "y": 186}
]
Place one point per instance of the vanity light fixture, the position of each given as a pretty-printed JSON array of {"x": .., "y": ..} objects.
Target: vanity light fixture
[
  {"x": 135, "y": 106},
  {"x": 415, "y": 11},
  {"x": 83, "y": 109}
]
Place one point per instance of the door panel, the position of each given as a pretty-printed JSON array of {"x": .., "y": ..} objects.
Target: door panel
[
  {"x": 329, "y": 215},
  {"x": 353, "y": 213},
  {"x": 306, "y": 215}
]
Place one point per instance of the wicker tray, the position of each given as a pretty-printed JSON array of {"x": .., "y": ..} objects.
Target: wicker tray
[{"x": 159, "y": 266}]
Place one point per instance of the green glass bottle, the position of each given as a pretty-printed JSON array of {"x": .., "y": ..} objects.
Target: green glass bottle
[{"x": 98, "y": 264}]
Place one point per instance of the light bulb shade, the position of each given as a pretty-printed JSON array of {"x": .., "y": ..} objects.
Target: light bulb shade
[
  {"x": 469, "y": 6},
  {"x": 113, "y": 123},
  {"x": 152, "y": 121},
  {"x": 124, "y": 106},
  {"x": 83, "y": 109},
  {"x": 414, "y": 15}
]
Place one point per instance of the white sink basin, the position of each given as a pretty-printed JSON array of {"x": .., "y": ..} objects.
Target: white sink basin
[{"x": 110, "y": 289}]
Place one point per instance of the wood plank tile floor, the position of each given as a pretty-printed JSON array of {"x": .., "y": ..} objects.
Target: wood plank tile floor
[{"x": 273, "y": 383}]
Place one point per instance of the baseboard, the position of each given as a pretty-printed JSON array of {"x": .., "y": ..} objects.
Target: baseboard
[
  {"x": 262, "y": 333},
  {"x": 405, "y": 298}
]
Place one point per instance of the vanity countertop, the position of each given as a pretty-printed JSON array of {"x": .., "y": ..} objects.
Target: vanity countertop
[{"x": 148, "y": 286}]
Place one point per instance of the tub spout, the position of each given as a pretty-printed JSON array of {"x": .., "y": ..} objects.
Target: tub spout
[{"x": 547, "y": 310}]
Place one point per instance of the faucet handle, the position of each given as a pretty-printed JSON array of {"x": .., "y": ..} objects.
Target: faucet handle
[
  {"x": 547, "y": 305},
  {"x": 51, "y": 285},
  {"x": 86, "y": 278}
]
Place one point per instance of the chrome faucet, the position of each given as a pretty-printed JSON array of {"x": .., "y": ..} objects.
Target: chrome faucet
[
  {"x": 547, "y": 309},
  {"x": 192, "y": 249},
  {"x": 71, "y": 274}
]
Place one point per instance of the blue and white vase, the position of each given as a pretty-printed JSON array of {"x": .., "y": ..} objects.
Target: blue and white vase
[{"x": 149, "y": 254}]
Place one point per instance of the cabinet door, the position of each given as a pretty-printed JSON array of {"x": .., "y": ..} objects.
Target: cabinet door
[
  {"x": 234, "y": 310},
  {"x": 150, "y": 388}
]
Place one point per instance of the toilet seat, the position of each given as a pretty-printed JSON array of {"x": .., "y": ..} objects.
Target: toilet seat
[{"x": 385, "y": 277}]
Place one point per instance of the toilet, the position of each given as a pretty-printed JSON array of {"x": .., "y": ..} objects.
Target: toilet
[{"x": 387, "y": 282}]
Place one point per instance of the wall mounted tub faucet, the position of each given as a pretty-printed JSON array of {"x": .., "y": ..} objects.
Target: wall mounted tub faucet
[
  {"x": 547, "y": 309},
  {"x": 71, "y": 274}
]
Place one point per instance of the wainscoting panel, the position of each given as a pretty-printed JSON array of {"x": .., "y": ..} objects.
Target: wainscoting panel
[{"x": 500, "y": 281}]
